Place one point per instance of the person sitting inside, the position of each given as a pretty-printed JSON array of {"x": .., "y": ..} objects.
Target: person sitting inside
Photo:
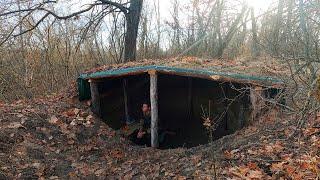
[{"x": 142, "y": 135}]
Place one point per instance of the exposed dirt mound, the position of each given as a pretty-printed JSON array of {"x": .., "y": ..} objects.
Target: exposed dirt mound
[{"x": 57, "y": 138}]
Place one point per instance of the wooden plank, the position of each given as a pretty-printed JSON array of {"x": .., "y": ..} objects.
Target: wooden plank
[
  {"x": 219, "y": 78},
  {"x": 154, "y": 109},
  {"x": 95, "y": 98},
  {"x": 96, "y": 80}
]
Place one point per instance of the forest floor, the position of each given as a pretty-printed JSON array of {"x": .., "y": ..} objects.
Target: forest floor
[{"x": 57, "y": 137}]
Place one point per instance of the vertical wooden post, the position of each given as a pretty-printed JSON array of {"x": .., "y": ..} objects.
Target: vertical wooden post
[
  {"x": 190, "y": 110},
  {"x": 95, "y": 97},
  {"x": 257, "y": 102},
  {"x": 241, "y": 115},
  {"x": 125, "y": 96},
  {"x": 154, "y": 108},
  {"x": 225, "y": 89},
  {"x": 188, "y": 129}
]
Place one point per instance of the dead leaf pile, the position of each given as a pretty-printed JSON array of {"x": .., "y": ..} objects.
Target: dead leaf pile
[{"x": 59, "y": 138}]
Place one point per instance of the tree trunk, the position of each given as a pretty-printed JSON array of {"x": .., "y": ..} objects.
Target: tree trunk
[
  {"x": 176, "y": 28},
  {"x": 230, "y": 33},
  {"x": 158, "y": 30},
  {"x": 218, "y": 28},
  {"x": 306, "y": 37},
  {"x": 276, "y": 31},
  {"x": 144, "y": 38},
  {"x": 290, "y": 5},
  {"x": 255, "y": 51},
  {"x": 132, "y": 19}
]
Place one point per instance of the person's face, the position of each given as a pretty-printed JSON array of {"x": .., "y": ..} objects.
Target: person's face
[{"x": 145, "y": 108}]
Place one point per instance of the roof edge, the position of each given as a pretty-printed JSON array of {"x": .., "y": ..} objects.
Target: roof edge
[{"x": 203, "y": 73}]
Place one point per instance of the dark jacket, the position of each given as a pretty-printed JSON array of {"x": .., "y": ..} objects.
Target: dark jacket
[{"x": 145, "y": 122}]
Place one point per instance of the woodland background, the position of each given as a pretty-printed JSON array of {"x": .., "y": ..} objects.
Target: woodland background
[
  {"x": 43, "y": 50},
  {"x": 38, "y": 59}
]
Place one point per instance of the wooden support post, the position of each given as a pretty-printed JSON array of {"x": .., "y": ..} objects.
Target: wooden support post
[
  {"x": 190, "y": 107},
  {"x": 226, "y": 104},
  {"x": 154, "y": 108},
  {"x": 241, "y": 116},
  {"x": 257, "y": 101},
  {"x": 95, "y": 97},
  {"x": 126, "y": 105}
]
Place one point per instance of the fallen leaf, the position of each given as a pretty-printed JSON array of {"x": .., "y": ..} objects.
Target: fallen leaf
[
  {"x": 235, "y": 151},
  {"x": 73, "y": 123},
  {"x": 227, "y": 155},
  {"x": 251, "y": 152},
  {"x": 182, "y": 178},
  {"x": 290, "y": 169},
  {"x": 70, "y": 142},
  {"x": 20, "y": 115},
  {"x": 277, "y": 166},
  {"x": 117, "y": 154},
  {"x": 53, "y": 177},
  {"x": 53, "y": 120},
  {"x": 99, "y": 172},
  {"x": 88, "y": 118},
  {"x": 36, "y": 165},
  {"x": 256, "y": 174},
  {"x": 252, "y": 165},
  {"x": 83, "y": 114},
  {"x": 243, "y": 170},
  {"x": 15, "y": 125},
  {"x": 72, "y": 112},
  {"x": 72, "y": 174}
]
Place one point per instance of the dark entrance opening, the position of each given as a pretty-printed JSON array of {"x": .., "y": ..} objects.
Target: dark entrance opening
[{"x": 184, "y": 102}]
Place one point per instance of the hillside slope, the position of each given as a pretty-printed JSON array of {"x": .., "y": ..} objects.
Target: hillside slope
[{"x": 57, "y": 137}]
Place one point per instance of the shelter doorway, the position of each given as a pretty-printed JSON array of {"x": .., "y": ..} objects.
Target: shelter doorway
[{"x": 183, "y": 103}]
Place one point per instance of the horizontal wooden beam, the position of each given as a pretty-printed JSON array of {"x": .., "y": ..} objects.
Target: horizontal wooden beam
[
  {"x": 152, "y": 72},
  {"x": 96, "y": 80},
  {"x": 219, "y": 78}
]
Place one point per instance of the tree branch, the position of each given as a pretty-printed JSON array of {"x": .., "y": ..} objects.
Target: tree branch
[
  {"x": 70, "y": 15},
  {"x": 35, "y": 7},
  {"x": 40, "y": 8},
  {"x": 117, "y": 5},
  {"x": 34, "y": 26}
]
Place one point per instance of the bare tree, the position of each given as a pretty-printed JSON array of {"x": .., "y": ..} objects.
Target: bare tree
[
  {"x": 132, "y": 14},
  {"x": 255, "y": 44}
]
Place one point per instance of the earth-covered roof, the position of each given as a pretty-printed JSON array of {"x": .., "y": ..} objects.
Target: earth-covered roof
[{"x": 262, "y": 72}]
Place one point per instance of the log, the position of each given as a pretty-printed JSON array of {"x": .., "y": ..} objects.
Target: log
[
  {"x": 242, "y": 120},
  {"x": 154, "y": 108},
  {"x": 95, "y": 98},
  {"x": 190, "y": 95},
  {"x": 257, "y": 101},
  {"x": 126, "y": 105}
]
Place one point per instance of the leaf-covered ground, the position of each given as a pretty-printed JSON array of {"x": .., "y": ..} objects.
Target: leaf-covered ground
[{"x": 58, "y": 138}]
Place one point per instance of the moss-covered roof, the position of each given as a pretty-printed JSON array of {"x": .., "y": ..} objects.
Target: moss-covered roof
[{"x": 263, "y": 72}]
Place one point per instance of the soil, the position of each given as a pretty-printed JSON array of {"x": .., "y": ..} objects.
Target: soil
[{"x": 57, "y": 137}]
